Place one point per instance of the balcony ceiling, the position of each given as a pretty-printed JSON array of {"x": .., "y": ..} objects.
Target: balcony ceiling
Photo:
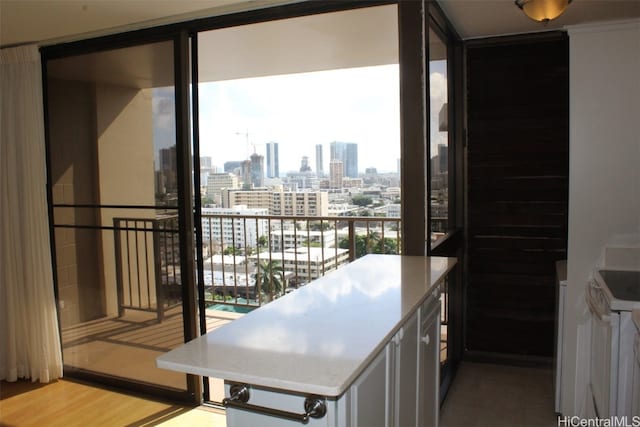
[
  {"x": 349, "y": 39},
  {"x": 51, "y": 21}
]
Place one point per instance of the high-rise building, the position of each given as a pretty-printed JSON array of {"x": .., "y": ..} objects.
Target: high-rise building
[
  {"x": 304, "y": 164},
  {"x": 226, "y": 231},
  {"x": 205, "y": 170},
  {"x": 205, "y": 162},
  {"x": 347, "y": 153},
  {"x": 319, "y": 163},
  {"x": 443, "y": 157},
  {"x": 221, "y": 181},
  {"x": 232, "y": 166},
  {"x": 302, "y": 203},
  {"x": 245, "y": 173},
  {"x": 168, "y": 169},
  {"x": 257, "y": 170},
  {"x": 299, "y": 203},
  {"x": 273, "y": 167},
  {"x": 336, "y": 173}
]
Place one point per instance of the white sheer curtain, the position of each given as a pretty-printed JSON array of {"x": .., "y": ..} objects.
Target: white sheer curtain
[{"x": 29, "y": 337}]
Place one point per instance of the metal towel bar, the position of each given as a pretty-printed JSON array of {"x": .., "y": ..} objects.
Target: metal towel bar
[{"x": 314, "y": 406}]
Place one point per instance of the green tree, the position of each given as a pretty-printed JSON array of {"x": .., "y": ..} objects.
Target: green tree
[
  {"x": 320, "y": 226},
  {"x": 361, "y": 200},
  {"x": 230, "y": 250},
  {"x": 386, "y": 246},
  {"x": 269, "y": 279},
  {"x": 262, "y": 241},
  {"x": 366, "y": 244}
]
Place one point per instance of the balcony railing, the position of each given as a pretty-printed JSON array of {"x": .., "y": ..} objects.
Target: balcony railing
[
  {"x": 147, "y": 263},
  {"x": 247, "y": 260},
  {"x": 251, "y": 260}
]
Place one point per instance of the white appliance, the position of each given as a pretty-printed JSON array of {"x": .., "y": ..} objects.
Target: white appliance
[
  {"x": 635, "y": 395},
  {"x": 561, "y": 291},
  {"x": 611, "y": 297}
]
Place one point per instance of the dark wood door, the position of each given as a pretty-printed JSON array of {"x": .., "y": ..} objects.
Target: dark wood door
[{"x": 518, "y": 165}]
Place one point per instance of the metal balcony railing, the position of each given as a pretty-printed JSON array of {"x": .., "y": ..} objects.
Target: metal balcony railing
[
  {"x": 251, "y": 260},
  {"x": 247, "y": 260},
  {"x": 147, "y": 262}
]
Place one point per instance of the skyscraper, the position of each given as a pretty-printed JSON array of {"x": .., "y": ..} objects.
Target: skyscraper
[
  {"x": 273, "y": 168},
  {"x": 168, "y": 169},
  {"x": 336, "y": 173},
  {"x": 304, "y": 164},
  {"x": 257, "y": 170},
  {"x": 319, "y": 165},
  {"x": 347, "y": 153}
]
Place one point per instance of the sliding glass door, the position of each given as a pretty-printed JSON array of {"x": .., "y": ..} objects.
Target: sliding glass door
[{"x": 114, "y": 162}]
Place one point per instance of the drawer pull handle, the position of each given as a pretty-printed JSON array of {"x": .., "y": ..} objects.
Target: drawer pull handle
[
  {"x": 314, "y": 406},
  {"x": 426, "y": 339}
]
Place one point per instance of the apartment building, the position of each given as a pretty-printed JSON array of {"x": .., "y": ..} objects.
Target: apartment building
[
  {"x": 288, "y": 238},
  {"x": 220, "y": 228},
  {"x": 287, "y": 203}
]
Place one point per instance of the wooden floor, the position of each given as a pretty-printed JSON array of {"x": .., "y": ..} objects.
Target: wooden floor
[
  {"x": 127, "y": 346},
  {"x": 66, "y": 403},
  {"x": 482, "y": 395}
]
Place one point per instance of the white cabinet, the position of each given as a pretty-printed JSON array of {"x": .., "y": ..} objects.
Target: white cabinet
[
  {"x": 635, "y": 394},
  {"x": 429, "y": 363},
  {"x": 370, "y": 395},
  {"x": 399, "y": 388},
  {"x": 405, "y": 373},
  {"x": 364, "y": 338}
]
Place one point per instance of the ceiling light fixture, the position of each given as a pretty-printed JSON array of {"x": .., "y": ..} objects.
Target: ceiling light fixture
[{"x": 542, "y": 10}]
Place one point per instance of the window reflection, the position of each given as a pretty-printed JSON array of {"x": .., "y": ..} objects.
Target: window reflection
[{"x": 439, "y": 137}]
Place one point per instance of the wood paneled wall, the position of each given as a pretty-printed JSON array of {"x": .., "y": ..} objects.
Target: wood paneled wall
[{"x": 518, "y": 165}]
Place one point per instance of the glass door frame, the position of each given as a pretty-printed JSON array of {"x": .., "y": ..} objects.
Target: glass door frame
[
  {"x": 180, "y": 43},
  {"x": 452, "y": 244}
]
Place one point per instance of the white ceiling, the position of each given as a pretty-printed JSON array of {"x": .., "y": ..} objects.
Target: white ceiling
[
  {"x": 348, "y": 39},
  {"x": 50, "y": 21},
  {"x": 485, "y": 18}
]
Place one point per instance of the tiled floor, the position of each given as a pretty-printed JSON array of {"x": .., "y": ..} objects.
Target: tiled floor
[{"x": 497, "y": 395}]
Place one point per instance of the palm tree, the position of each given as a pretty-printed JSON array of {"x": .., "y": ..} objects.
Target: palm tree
[
  {"x": 371, "y": 241},
  {"x": 269, "y": 279}
]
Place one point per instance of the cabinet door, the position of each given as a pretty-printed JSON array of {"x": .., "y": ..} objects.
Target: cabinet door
[
  {"x": 429, "y": 363},
  {"x": 406, "y": 370},
  {"x": 370, "y": 393}
]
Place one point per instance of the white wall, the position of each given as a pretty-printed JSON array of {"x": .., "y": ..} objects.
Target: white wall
[{"x": 604, "y": 182}]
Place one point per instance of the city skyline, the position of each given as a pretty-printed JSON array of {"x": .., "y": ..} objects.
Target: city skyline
[{"x": 300, "y": 111}]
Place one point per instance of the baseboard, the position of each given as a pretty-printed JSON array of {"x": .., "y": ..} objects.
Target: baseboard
[{"x": 527, "y": 361}]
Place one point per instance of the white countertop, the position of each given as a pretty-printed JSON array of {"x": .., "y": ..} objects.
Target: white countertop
[{"x": 318, "y": 339}]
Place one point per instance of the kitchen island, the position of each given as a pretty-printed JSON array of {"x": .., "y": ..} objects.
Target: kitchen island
[{"x": 362, "y": 342}]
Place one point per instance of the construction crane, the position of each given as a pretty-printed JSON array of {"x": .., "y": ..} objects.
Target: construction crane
[{"x": 246, "y": 138}]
